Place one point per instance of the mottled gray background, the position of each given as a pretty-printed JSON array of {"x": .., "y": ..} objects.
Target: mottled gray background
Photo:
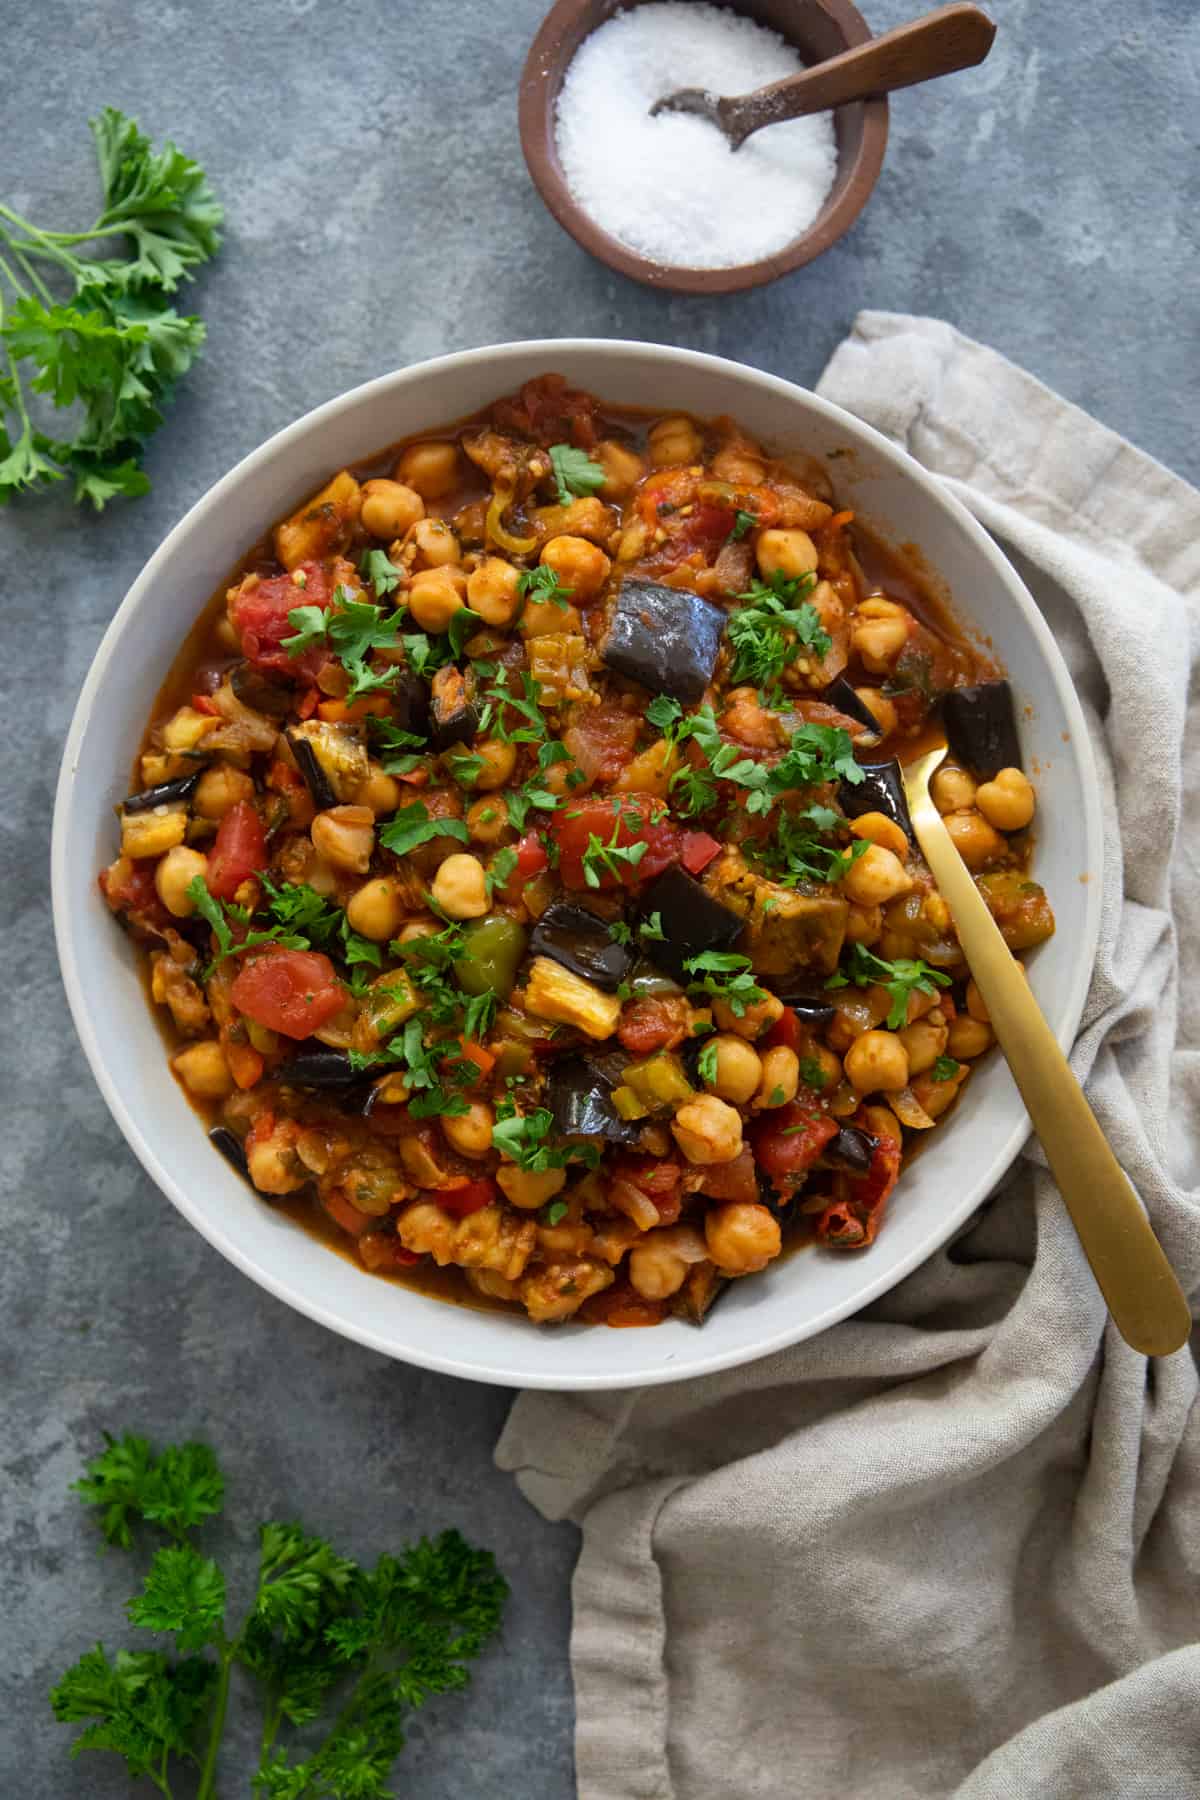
[{"x": 379, "y": 212}]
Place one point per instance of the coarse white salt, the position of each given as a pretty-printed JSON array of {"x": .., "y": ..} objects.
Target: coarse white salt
[{"x": 670, "y": 187}]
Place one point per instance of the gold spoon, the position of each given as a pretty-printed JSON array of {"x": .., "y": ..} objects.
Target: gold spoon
[{"x": 1139, "y": 1286}]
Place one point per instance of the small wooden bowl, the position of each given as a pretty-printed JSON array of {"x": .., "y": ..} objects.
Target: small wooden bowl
[{"x": 817, "y": 28}]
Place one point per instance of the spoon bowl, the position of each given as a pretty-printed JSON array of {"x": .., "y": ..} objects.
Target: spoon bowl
[{"x": 817, "y": 29}]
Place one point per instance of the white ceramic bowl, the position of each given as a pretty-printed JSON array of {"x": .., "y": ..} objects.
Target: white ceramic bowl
[{"x": 796, "y": 1297}]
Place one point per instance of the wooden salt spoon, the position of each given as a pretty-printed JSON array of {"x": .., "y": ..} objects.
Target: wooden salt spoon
[
  {"x": 953, "y": 37},
  {"x": 1139, "y": 1286}
]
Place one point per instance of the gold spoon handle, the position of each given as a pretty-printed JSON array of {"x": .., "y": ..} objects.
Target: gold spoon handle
[{"x": 1139, "y": 1286}]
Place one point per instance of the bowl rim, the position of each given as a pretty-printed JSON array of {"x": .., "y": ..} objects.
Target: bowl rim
[
  {"x": 537, "y": 96},
  {"x": 411, "y": 1346}
]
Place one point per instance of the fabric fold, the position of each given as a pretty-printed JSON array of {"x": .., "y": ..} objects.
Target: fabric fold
[{"x": 952, "y": 1546}]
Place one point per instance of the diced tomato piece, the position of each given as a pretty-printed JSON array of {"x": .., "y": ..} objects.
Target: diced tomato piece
[
  {"x": 547, "y": 409},
  {"x": 133, "y": 893},
  {"x": 662, "y": 849},
  {"x": 531, "y": 856},
  {"x": 617, "y": 824},
  {"x": 290, "y": 991},
  {"x": 658, "y": 1022},
  {"x": 788, "y": 1140},
  {"x": 382, "y": 1252},
  {"x": 472, "y": 1197},
  {"x": 201, "y": 703},
  {"x": 784, "y": 1033},
  {"x": 240, "y": 849},
  {"x": 659, "y": 1181},
  {"x": 346, "y": 1215},
  {"x": 736, "y": 1180},
  {"x": 851, "y": 1223},
  {"x": 260, "y": 618},
  {"x": 696, "y": 850}
]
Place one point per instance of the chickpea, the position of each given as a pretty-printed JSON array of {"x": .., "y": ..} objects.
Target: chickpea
[
  {"x": 435, "y": 543},
  {"x": 936, "y": 1096},
  {"x": 587, "y": 517},
  {"x": 273, "y": 1164},
  {"x": 580, "y": 566},
  {"x": 345, "y": 837},
  {"x": 977, "y": 842},
  {"x": 470, "y": 1133},
  {"x": 740, "y": 463},
  {"x": 739, "y": 1069},
  {"x": 460, "y": 887},
  {"x": 707, "y": 1130},
  {"x": 219, "y": 789},
  {"x": 493, "y": 591},
  {"x": 758, "y": 1017},
  {"x": 376, "y": 910},
  {"x": 877, "y": 828},
  {"x": 203, "y": 1070},
  {"x": 431, "y": 468},
  {"x": 876, "y": 877},
  {"x": 881, "y": 708},
  {"x": 880, "y": 632},
  {"x": 788, "y": 553},
  {"x": 924, "y": 1042},
  {"x": 435, "y": 596},
  {"x": 673, "y": 440},
  {"x": 877, "y": 1063},
  {"x": 780, "y": 1078},
  {"x": 742, "y": 1237},
  {"x": 389, "y": 508},
  {"x": 544, "y": 618},
  {"x": 864, "y": 924},
  {"x": 967, "y": 1038},
  {"x": 623, "y": 468},
  {"x": 656, "y": 1271},
  {"x": 530, "y": 1188},
  {"x": 380, "y": 792},
  {"x": 499, "y": 761},
  {"x": 1006, "y": 801},
  {"x": 952, "y": 789},
  {"x": 830, "y": 1066},
  {"x": 487, "y": 821},
  {"x": 172, "y": 876}
]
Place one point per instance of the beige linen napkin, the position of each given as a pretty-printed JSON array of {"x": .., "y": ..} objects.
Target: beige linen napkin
[{"x": 952, "y": 1546}]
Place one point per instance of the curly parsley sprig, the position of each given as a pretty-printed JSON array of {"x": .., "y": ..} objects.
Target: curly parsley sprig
[{"x": 380, "y": 1641}]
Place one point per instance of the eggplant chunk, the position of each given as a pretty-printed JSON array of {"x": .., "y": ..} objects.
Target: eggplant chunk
[
  {"x": 692, "y": 921},
  {"x": 811, "y": 1009},
  {"x": 453, "y": 715},
  {"x": 167, "y": 793},
  {"x": 231, "y": 1148},
  {"x": 577, "y": 1094},
  {"x": 982, "y": 728},
  {"x": 881, "y": 790},
  {"x": 578, "y": 940},
  {"x": 787, "y": 930},
  {"x": 410, "y": 703},
  {"x": 260, "y": 693},
  {"x": 701, "y": 1288},
  {"x": 839, "y": 693},
  {"x": 665, "y": 638},
  {"x": 321, "y": 1068},
  {"x": 315, "y": 778}
]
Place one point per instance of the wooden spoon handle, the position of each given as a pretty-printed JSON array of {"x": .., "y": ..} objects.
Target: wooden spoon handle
[
  {"x": 952, "y": 37},
  {"x": 1138, "y": 1284}
]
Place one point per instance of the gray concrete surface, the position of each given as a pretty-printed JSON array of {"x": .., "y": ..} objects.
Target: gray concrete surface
[{"x": 379, "y": 212}]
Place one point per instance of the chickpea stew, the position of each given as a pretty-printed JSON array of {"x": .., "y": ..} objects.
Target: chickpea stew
[{"x": 523, "y": 869}]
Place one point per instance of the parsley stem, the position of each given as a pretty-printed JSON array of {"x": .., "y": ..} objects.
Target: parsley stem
[{"x": 208, "y": 1773}]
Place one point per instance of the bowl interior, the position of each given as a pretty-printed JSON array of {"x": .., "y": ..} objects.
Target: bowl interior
[
  {"x": 819, "y": 29},
  {"x": 793, "y": 1299}
]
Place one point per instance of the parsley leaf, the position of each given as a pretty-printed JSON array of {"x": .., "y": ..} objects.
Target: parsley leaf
[
  {"x": 412, "y": 825},
  {"x": 500, "y": 870},
  {"x": 769, "y": 631},
  {"x": 353, "y": 629},
  {"x": 377, "y": 567},
  {"x": 905, "y": 976},
  {"x": 812, "y": 1074},
  {"x": 742, "y": 523},
  {"x": 128, "y": 1482},
  {"x": 600, "y": 857},
  {"x": 726, "y": 976},
  {"x": 522, "y": 1138},
  {"x": 542, "y": 585},
  {"x": 574, "y": 472},
  {"x": 706, "y": 1063},
  {"x": 397, "y": 751},
  {"x": 183, "y": 1592},
  {"x": 945, "y": 1068}
]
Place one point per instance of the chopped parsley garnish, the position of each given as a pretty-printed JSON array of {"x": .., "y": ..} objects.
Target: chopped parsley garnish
[
  {"x": 743, "y": 522},
  {"x": 945, "y": 1068},
  {"x": 393, "y": 748},
  {"x": 651, "y": 930},
  {"x": 412, "y": 826},
  {"x": 500, "y": 698},
  {"x": 620, "y": 932},
  {"x": 522, "y": 1137},
  {"x": 218, "y": 915},
  {"x": 599, "y": 857},
  {"x": 553, "y": 1211},
  {"x": 706, "y": 1063},
  {"x": 432, "y": 1072},
  {"x": 464, "y": 766},
  {"x": 378, "y": 568},
  {"x": 726, "y": 976},
  {"x": 352, "y": 629},
  {"x": 812, "y": 1074},
  {"x": 574, "y": 472},
  {"x": 769, "y": 630},
  {"x": 541, "y": 584},
  {"x": 501, "y": 869},
  {"x": 462, "y": 626},
  {"x": 535, "y": 796},
  {"x": 816, "y": 754},
  {"x": 905, "y": 976},
  {"x": 798, "y": 851}
]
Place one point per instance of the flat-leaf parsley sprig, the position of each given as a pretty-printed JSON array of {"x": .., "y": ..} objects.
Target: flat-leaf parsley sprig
[
  {"x": 380, "y": 1641},
  {"x": 112, "y": 347}
]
